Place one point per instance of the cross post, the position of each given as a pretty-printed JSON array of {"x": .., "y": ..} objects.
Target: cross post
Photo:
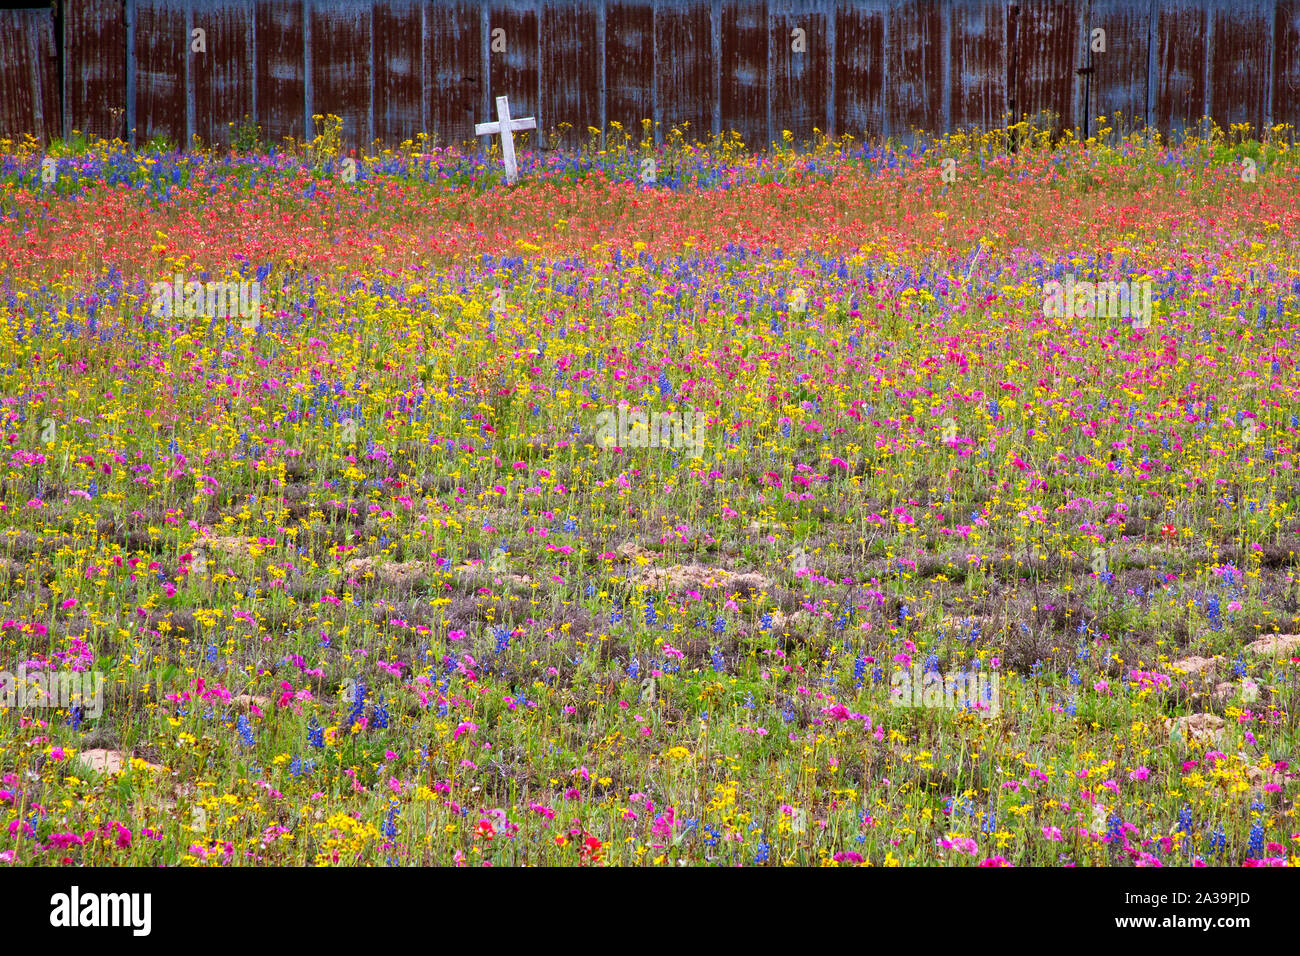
[{"x": 506, "y": 127}]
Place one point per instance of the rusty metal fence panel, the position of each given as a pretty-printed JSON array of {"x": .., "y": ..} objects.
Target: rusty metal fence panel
[
  {"x": 1179, "y": 73},
  {"x": 684, "y": 67},
  {"x": 1117, "y": 96},
  {"x": 915, "y": 57},
  {"x": 629, "y": 57},
  {"x": 571, "y": 68},
  {"x": 221, "y": 77},
  {"x": 398, "y": 105},
  {"x": 29, "y": 84},
  {"x": 1285, "y": 86},
  {"x": 977, "y": 64},
  {"x": 744, "y": 73},
  {"x": 280, "y": 83},
  {"x": 1050, "y": 49},
  {"x": 94, "y": 68},
  {"x": 800, "y": 47},
  {"x": 859, "y": 67},
  {"x": 158, "y": 63},
  {"x": 1239, "y": 69},
  {"x": 455, "y": 87},
  {"x": 393, "y": 68},
  {"x": 338, "y": 82},
  {"x": 514, "y": 61}
]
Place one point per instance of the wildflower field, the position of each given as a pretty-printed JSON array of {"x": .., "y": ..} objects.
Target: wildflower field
[{"x": 422, "y": 563}]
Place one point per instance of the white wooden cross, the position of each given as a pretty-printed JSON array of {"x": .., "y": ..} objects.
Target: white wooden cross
[{"x": 506, "y": 127}]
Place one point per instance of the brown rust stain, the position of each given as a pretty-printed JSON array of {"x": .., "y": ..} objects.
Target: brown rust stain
[
  {"x": 744, "y": 86},
  {"x": 1180, "y": 67},
  {"x": 161, "y": 47},
  {"x": 1240, "y": 47},
  {"x": 570, "y": 70},
  {"x": 859, "y": 70},
  {"x": 281, "y": 81},
  {"x": 340, "y": 69},
  {"x": 800, "y": 82},
  {"x": 94, "y": 67},
  {"x": 629, "y": 64},
  {"x": 1119, "y": 81},
  {"x": 684, "y": 68},
  {"x": 978, "y": 64},
  {"x": 223, "y": 77},
  {"x": 398, "y": 68},
  {"x": 1049, "y": 52}
]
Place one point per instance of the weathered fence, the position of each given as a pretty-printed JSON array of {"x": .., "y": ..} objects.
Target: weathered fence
[{"x": 391, "y": 69}]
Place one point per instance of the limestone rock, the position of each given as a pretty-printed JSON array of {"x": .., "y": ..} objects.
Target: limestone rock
[
  {"x": 1275, "y": 645},
  {"x": 100, "y": 760},
  {"x": 1196, "y": 728},
  {"x": 1195, "y": 666}
]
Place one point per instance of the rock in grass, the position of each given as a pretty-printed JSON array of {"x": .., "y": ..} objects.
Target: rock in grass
[
  {"x": 1194, "y": 666},
  {"x": 402, "y": 573},
  {"x": 1227, "y": 690},
  {"x": 684, "y": 577},
  {"x": 1275, "y": 645},
  {"x": 1196, "y": 729},
  {"x": 104, "y": 761}
]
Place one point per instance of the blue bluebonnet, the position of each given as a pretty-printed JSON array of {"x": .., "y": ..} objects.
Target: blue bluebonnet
[
  {"x": 358, "y": 705},
  {"x": 245, "y": 730},
  {"x": 315, "y": 734},
  {"x": 1218, "y": 841},
  {"x": 1213, "y": 613},
  {"x": 1185, "y": 827},
  {"x": 1256, "y": 848}
]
